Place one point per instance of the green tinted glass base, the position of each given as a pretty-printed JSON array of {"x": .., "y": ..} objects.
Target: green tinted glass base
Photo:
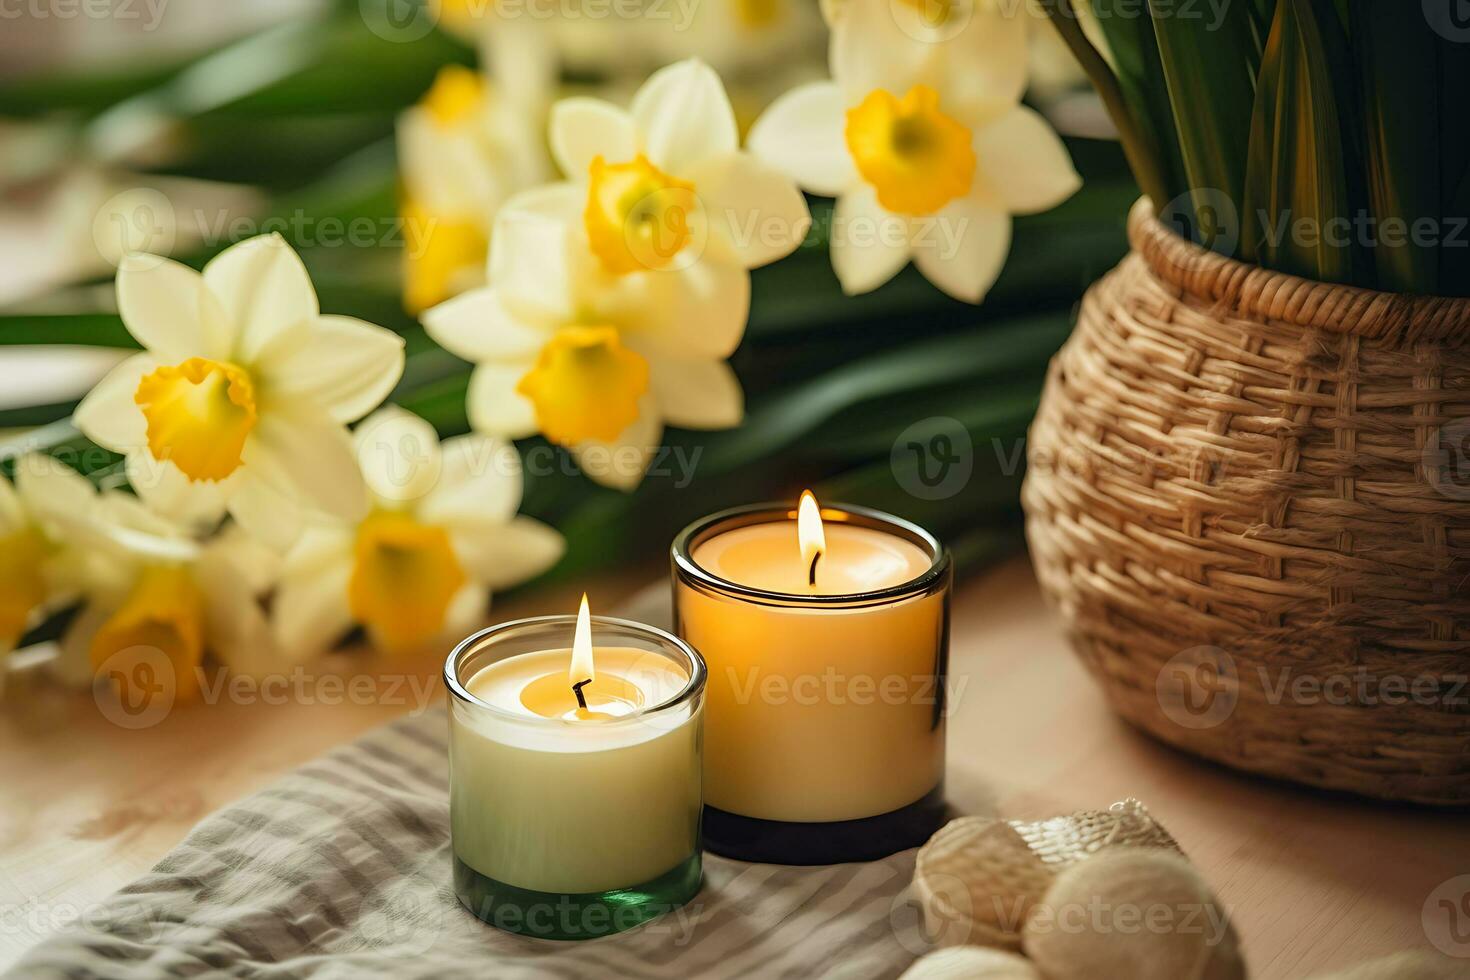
[{"x": 548, "y": 915}]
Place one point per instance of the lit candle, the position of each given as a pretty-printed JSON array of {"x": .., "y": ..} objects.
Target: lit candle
[
  {"x": 826, "y": 634},
  {"x": 574, "y": 774}
]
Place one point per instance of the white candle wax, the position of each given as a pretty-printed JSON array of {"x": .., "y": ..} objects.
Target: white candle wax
[
  {"x": 550, "y": 798},
  {"x": 817, "y": 712}
]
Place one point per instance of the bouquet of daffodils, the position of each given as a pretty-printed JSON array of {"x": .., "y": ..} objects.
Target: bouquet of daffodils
[{"x": 611, "y": 275}]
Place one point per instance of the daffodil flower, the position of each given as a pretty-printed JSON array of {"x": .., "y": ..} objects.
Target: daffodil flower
[
  {"x": 39, "y": 569},
  {"x": 664, "y": 185},
  {"x": 241, "y": 397},
  {"x": 594, "y": 360},
  {"x": 739, "y": 36},
  {"x": 443, "y": 533},
  {"x": 160, "y": 599},
  {"x": 463, "y": 150},
  {"x": 921, "y": 139}
]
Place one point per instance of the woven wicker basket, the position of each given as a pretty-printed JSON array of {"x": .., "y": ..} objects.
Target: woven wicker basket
[{"x": 1249, "y": 496}]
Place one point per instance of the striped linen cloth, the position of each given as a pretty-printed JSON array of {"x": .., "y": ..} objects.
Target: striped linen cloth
[{"x": 342, "y": 868}]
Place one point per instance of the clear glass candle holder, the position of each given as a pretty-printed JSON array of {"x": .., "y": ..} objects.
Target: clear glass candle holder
[
  {"x": 824, "y": 732},
  {"x": 574, "y": 828}
]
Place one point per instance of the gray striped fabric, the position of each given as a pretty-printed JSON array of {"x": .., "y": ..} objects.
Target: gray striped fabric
[{"x": 342, "y": 869}]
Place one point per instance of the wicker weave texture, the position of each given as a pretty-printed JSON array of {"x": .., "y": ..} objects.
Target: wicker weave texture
[{"x": 1249, "y": 496}]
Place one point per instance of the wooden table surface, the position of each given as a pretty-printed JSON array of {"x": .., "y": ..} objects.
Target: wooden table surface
[{"x": 1315, "y": 882}]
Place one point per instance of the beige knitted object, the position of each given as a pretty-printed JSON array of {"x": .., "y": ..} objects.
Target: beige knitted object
[
  {"x": 971, "y": 963},
  {"x": 1249, "y": 496},
  {"x": 1139, "y": 913},
  {"x": 977, "y": 878}
]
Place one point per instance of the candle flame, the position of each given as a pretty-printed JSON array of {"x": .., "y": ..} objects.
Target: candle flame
[
  {"x": 809, "y": 531},
  {"x": 582, "y": 646}
]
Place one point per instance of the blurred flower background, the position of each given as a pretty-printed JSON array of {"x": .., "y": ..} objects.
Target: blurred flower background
[{"x": 324, "y": 315}]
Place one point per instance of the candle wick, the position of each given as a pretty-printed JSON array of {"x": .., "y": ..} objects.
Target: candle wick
[
  {"x": 811, "y": 575},
  {"x": 577, "y": 690}
]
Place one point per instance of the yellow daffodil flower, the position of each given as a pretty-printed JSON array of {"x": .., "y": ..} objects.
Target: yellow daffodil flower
[
  {"x": 158, "y": 599},
  {"x": 463, "y": 150},
  {"x": 595, "y": 360},
  {"x": 40, "y": 570},
  {"x": 442, "y": 534},
  {"x": 739, "y": 37},
  {"x": 241, "y": 397},
  {"x": 664, "y": 185},
  {"x": 921, "y": 139}
]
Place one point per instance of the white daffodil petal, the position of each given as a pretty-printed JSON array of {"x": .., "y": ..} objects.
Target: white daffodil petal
[
  {"x": 169, "y": 310},
  {"x": 120, "y": 509},
  {"x": 494, "y": 405},
  {"x": 530, "y": 253},
  {"x": 399, "y": 456},
  {"x": 447, "y": 171},
  {"x": 755, "y": 212},
  {"x": 73, "y": 664},
  {"x": 1024, "y": 163},
  {"x": 108, "y": 415},
  {"x": 195, "y": 505},
  {"x": 583, "y": 128},
  {"x": 869, "y": 49},
  {"x": 264, "y": 290},
  {"x": 308, "y": 456},
  {"x": 346, "y": 367},
  {"x": 621, "y": 463},
  {"x": 869, "y": 244},
  {"x": 684, "y": 116},
  {"x": 987, "y": 60},
  {"x": 697, "y": 312},
  {"x": 481, "y": 480},
  {"x": 258, "y": 566},
  {"x": 269, "y": 514},
  {"x": 697, "y": 394},
  {"x": 235, "y": 626},
  {"x": 466, "y": 612},
  {"x": 49, "y": 490},
  {"x": 500, "y": 556},
  {"x": 310, "y": 613},
  {"x": 802, "y": 135},
  {"x": 476, "y": 326},
  {"x": 963, "y": 248},
  {"x": 319, "y": 546}
]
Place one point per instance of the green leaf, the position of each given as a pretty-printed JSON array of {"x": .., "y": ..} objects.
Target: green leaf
[
  {"x": 1298, "y": 208},
  {"x": 976, "y": 354},
  {"x": 1397, "y": 59},
  {"x": 1140, "y": 73},
  {"x": 1210, "y": 57},
  {"x": 1145, "y": 157},
  {"x": 83, "y": 329}
]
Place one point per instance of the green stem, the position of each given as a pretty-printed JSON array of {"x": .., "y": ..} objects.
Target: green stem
[{"x": 1143, "y": 157}]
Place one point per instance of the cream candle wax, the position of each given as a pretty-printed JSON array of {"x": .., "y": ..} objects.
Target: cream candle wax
[
  {"x": 826, "y": 636},
  {"x": 574, "y": 774}
]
